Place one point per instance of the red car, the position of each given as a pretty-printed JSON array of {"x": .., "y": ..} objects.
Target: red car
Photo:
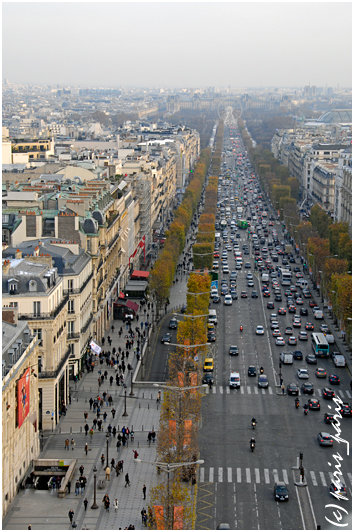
[{"x": 312, "y": 303}]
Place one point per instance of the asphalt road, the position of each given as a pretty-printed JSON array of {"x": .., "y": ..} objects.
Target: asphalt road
[{"x": 236, "y": 486}]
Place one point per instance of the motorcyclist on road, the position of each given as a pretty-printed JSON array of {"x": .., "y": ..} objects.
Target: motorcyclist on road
[
  {"x": 241, "y": 328},
  {"x": 261, "y": 370},
  {"x": 297, "y": 402},
  {"x": 254, "y": 422}
]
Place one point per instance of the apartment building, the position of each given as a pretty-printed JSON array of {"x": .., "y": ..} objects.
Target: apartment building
[
  {"x": 32, "y": 285},
  {"x": 20, "y": 403}
]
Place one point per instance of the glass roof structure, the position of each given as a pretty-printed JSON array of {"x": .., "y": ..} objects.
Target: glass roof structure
[{"x": 336, "y": 116}]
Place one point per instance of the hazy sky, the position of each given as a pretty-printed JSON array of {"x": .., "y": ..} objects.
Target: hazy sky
[{"x": 179, "y": 44}]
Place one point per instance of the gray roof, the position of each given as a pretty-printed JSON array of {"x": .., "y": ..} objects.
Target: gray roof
[
  {"x": 25, "y": 271},
  {"x": 15, "y": 339}
]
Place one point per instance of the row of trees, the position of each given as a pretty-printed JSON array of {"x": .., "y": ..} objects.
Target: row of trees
[{"x": 163, "y": 273}]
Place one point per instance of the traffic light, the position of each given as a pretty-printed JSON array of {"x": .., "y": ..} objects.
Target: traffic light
[{"x": 301, "y": 456}]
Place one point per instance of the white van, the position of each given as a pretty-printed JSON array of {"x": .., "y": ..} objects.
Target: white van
[
  {"x": 235, "y": 380},
  {"x": 318, "y": 314},
  {"x": 265, "y": 278},
  {"x": 212, "y": 318},
  {"x": 330, "y": 338},
  {"x": 303, "y": 283},
  {"x": 214, "y": 292},
  {"x": 286, "y": 358},
  {"x": 339, "y": 361}
]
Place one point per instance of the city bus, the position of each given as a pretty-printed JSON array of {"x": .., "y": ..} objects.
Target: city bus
[
  {"x": 217, "y": 237},
  {"x": 285, "y": 277},
  {"x": 320, "y": 345},
  {"x": 223, "y": 224}
]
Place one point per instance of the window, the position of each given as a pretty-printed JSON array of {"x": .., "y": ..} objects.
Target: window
[
  {"x": 37, "y": 308},
  {"x": 13, "y": 304},
  {"x": 70, "y": 285},
  {"x": 70, "y": 327},
  {"x": 40, "y": 364},
  {"x": 12, "y": 284},
  {"x": 32, "y": 286},
  {"x": 88, "y": 248},
  {"x": 72, "y": 348},
  {"x": 71, "y": 306},
  {"x": 38, "y": 333}
]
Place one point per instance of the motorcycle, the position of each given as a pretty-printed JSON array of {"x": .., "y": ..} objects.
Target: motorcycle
[
  {"x": 241, "y": 328},
  {"x": 252, "y": 446},
  {"x": 261, "y": 370},
  {"x": 253, "y": 424},
  {"x": 297, "y": 403},
  {"x": 305, "y": 410}
]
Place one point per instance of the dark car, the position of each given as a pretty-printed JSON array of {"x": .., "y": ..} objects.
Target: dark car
[
  {"x": 314, "y": 404},
  {"x": 217, "y": 299},
  {"x": 311, "y": 359},
  {"x": 327, "y": 393},
  {"x": 297, "y": 355},
  {"x": 208, "y": 378},
  {"x": 337, "y": 488},
  {"x": 329, "y": 418},
  {"x": 303, "y": 311},
  {"x": 166, "y": 338},
  {"x": 307, "y": 388},
  {"x": 173, "y": 323},
  {"x": 211, "y": 336},
  {"x": 293, "y": 389},
  {"x": 281, "y": 492},
  {"x": 334, "y": 379},
  {"x": 233, "y": 295},
  {"x": 278, "y": 297},
  {"x": 346, "y": 410},
  {"x": 254, "y": 294},
  {"x": 270, "y": 304},
  {"x": 252, "y": 371},
  {"x": 183, "y": 309},
  {"x": 233, "y": 350}
]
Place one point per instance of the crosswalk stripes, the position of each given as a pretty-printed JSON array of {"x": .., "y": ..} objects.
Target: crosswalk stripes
[
  {"x": 243, "y": 390},
  {"x": 268, "y": 476}
]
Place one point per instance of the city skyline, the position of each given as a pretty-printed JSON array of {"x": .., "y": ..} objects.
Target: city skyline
[{"x": 153, "y": 44}]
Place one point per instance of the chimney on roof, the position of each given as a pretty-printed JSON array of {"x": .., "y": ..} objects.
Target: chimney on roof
[
  {"x": 6, "y": 267},
  {"x": 10, "y": 315},
  {"x": 18, "y": 254}
]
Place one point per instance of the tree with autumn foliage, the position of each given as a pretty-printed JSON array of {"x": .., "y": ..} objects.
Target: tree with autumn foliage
[
  {"x": 318, "y": 252},
  {"x": 341, "y": 286}
]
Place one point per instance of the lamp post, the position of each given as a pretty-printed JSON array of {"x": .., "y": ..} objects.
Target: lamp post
[
  {"x": 168, "y": 468},
  {"x": 107, "y": 442},
  {"x": 131, "y": 385},
  {"x": 125, "y": 404},
  {"x": 95, "y": 505}
]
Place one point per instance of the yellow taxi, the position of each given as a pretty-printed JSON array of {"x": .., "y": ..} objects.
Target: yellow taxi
[{"x": 208, "y": 364}]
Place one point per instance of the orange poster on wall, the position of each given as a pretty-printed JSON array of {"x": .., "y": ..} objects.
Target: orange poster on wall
[{"x": 23, "y": 397}]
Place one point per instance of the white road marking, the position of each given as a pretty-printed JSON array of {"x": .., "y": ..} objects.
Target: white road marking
[
  {"x": 201, "y": 474},
  {"x": 229, "y": 474},
  {"x": 248, "y": 475},
  {"x": 313, "y": 478},
  {"x": 258, "y": 478},
  {"x": 239, "y": 479},
  {"x": 266, "y": 476},
  {"x": 211, "y": 474},
  {"x": 220, "y": 471},
  {"x": 323, "y": 480}
]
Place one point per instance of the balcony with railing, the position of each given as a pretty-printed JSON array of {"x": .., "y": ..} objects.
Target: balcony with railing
[
  {"x": 82, "y": 287},
  {"x": 45, "y": 315},
  {"x": 55, "y": 373},
  {"x": 87, "y": 324}
]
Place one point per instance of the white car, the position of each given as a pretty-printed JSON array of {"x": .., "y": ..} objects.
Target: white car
[
  {"x": 259, "y": 329},
  {"x": 302, "y": 373},
  {"x": 228, "y": 300},
  {"x": 279, "y": 341}
]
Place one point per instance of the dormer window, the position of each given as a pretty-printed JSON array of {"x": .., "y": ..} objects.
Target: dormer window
[
  {"x": 13, "y": 286},
  {"x": 32, "y": 286}
]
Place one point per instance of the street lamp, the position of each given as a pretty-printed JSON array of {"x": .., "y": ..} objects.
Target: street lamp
[
  {"x": 95, "y": 505},
  {"x": 131, "y": 387},
  {"x": 125, "y": 404},
  {"x": 167, "y": 468},
  {"x": 107, "y": 442}
]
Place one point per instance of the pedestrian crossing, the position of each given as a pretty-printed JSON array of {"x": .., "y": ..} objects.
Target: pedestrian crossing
[
  {"x": 265, "y": 476},
  {"x": 250, "y": 390}
]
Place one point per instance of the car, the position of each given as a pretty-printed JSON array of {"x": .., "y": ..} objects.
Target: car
[
  {"x": 297, "y": 323},
  {"x": 252, "y": 371},
  {"x": 298, "y": 355},
  {"x": 303, "y": 336},
  {"x": 292, "y": 389},
  {"x": 311, "y": 359},
  {"x": 324, "y": 328},
  {"x": 325, "y": 439},
  {"x": 173, "y": 323},
  {"x": 166, "y": 338},
  {"x": 309, "y": 326},
  {"x": 333, "y": 379},
  {"x": 244, "y": 294},
  {"x": 307, "y": 388},
  {"x": 247, "y": 264},
  {"x": 250, "y": 283},
  {"x": 233, "y": 350},
  {"x": 282, "y": 311},
  {"x": 211, "y": 336},
  {"x": 216, "y": 299},
  {"x": 274, "y": 325},
  {"x": 254, "y": 294},
  {"x": 279, "y": 341},
  {"x": 223, "y": 526},
  {"x": 302, "y": 373},
  {"x": 292, "y": 309},
  {"x": 288, "y": 330},
  {"x": 228, "y": 300},
  {"x": 208, "y": 365},
  {"x": 270, "y": 304},
  {"x": 299, "y": 301},
  {"x": 276, "y": 333},
  {"x": 307, "y": 295},
  {"x": 233, "y": 295},
  {"x": 281, "y": 492},
  {"x": 329, "y": 418},
  {"x": 278, "y": 298},
  {"x": 321, "y": 373},
  {"x": 312, "y": 304},
  {"x": 346, "y": 410},
  {"x": 183, "y": 309},
  {"x": 314, "y": 404},
  {"x": 263, "y": 381},
  {"x": 337, "y": 489},
  {"x": 266, "y": 293},
  {"x": 208, "y": 378},
  {"x": 327, "y": 393},
  {"x": 292, "y": 340},
  {"x": 249, "y": 276}
]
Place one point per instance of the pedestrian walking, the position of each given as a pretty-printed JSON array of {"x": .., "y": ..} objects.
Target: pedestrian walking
[
  {"x": 68, "y": 485},
  {"x": 124, "y": 440},
  {"x": 117, "y": 470},
  {"x": 158, "y": 399},
  {"x": 113, "y": 464},
  {"x": 114, "y": 432},
  {"x": 77, "y": 487},
  {"x": 67, "y": 443},
  {"x": 143, "y": 515},
  {"x": 144, "y": 492},
  {"x": 91, "y": 434},
  {"x": 149, "y": 437},
  {"x": 127, "y": 480},
  {"x": 102, "y": 459},
  {"x": 86, "y": 427},
  {"x": 72, "y": 444},
  {"x": 115, "y": 505},
  {"x": 71, "y": 515},
  {"x": 85, "y": 501},
  {"x": 81, "y": 469},
  {"x": 85, "y": 415},
  {"x": 136, "y": 454},
  {"x": 91, "y": 402},
  {"x": 105, "y": 416},
  {"x": 94, "y": 422},
  {"x": 108, "y": 473},
  {"x": 153, "y": 436}
]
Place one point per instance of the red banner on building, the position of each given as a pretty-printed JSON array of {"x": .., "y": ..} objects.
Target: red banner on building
[{"x": 23, "y": 397}]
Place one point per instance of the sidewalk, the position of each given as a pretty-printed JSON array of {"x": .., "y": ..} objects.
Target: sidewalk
[{"x": 43, "y": 509}]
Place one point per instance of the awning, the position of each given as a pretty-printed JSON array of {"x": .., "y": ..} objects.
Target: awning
[
  {"x": 132, "y": 305},
  {"x": 137, "y": 274},
  {"x": 121, "y": 294}
]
